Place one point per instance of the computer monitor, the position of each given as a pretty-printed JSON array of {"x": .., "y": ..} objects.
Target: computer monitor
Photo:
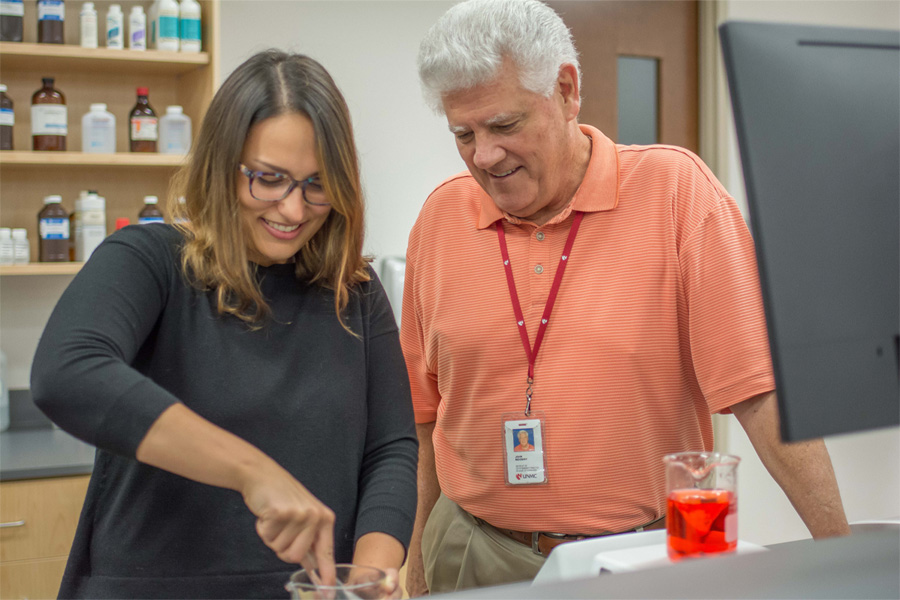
[{"x": 817, "y": 111}]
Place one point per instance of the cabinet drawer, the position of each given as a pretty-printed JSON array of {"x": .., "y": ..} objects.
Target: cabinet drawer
[
  {"x": 49, "y": 508},
  {"x": 31, "y": 578}
]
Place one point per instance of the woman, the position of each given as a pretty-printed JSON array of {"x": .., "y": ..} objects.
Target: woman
[{"x": 240, "y": 373}]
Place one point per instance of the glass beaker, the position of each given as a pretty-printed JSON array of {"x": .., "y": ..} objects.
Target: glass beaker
[
  {"x": 353, "y": 581},
  {"x": 701, "y": 503}
]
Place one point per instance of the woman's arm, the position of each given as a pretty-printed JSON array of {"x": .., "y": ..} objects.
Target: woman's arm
[{"x": 290, "y": 520}]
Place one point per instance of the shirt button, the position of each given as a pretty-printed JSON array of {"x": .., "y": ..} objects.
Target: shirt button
[
  {"x": 539, "y": 269},
  {"x": 540, "y": 236}
]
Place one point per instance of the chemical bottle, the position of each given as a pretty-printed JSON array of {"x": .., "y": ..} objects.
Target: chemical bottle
[
  {"x": 81, "y": 196},
  {"x": 21, "y": 248},
  {"x": 122, "y": 222},
  {"x": 167, "y": 25},
  {"x": 152, "y": 18},
  {"x": 115, "y": 27},
  {"x": 11, "y": 19},
  {"x": 137, "y": 29},
  {"x": 7, "y": 250},
  {"x": 98, "y": 130},
  {"x": 7, "y": 120},
  {"x": 88, "y": 20},
  {"x": 49, "y": 118},
  {"x": 53, "y": 228},
  {"x": 143, "y": 125},
  {"x": 150, "y": 213},
  {"x": 4, "y": 393},
  {"x": 51, "y": 21},
  {"x": 174, "y": 131},
  {"x": 90, "y": 224},
  {"x": 190, "y": 26}
]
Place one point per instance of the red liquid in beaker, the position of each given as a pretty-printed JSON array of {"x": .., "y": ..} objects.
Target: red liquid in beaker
[{"x": 701, "y": 522}]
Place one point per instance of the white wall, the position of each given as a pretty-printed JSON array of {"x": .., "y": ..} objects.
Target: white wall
[{"x": 867, "y": 465}]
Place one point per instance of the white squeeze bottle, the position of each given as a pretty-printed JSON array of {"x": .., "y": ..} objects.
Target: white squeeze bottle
[
  {"x": 88, "y": 25},
  {"x": 152, "y": 17},
  {"x": 167, "y": 26},
  {"x": 190, "y": 26},
  {"x": 137, "y": 29},
  {"x": 98, "y": 130},
  {"x": 115, "y": 27},
  {"x": 174, "y": 131}
]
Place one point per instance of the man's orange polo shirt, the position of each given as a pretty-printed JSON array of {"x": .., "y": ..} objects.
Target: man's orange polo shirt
[{"x": 658, "y": 324}]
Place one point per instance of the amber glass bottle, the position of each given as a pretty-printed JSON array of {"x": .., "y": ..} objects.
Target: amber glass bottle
[
  {"x": 51, "y": 21},
  {"x": 143, "y": 125},
  {"x": 49, "y": 119}
]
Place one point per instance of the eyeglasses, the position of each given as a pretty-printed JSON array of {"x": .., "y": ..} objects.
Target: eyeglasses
[{"x": 273, "y": 187}]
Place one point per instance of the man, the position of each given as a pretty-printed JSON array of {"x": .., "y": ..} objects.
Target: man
[
  {"x": 571, "y": 286},
  {"x": 523, "y": 446}
]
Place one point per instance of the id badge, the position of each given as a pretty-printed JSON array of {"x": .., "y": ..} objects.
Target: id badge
[{"x": 523, "y": 448}]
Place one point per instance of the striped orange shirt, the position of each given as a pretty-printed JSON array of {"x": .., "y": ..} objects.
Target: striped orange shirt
[{"x": 658, "y": 324}]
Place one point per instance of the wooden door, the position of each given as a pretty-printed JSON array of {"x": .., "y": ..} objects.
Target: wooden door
[{"x": 665, "y": 30}]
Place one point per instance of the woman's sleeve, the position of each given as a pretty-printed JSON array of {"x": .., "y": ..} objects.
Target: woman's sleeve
[
  {"x": 82, "y": 376},
  {"x": 388, "y": 476}
]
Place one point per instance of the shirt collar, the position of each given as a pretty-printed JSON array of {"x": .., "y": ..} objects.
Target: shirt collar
[{"x": 599, "y": 190}]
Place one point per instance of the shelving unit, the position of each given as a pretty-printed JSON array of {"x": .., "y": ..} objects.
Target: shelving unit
[{"x": 86, "y": 76}]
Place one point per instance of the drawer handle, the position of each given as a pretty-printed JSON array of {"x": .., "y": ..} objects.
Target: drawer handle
[{"x": 13, "y": 524}]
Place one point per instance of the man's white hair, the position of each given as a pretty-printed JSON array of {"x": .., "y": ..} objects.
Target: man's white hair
[{"x": 467, "y": 45}]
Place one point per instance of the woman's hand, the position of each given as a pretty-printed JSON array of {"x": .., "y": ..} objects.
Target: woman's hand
[
  {"x": 392, "y": 589},
  {"x": 291, "y": 521}
]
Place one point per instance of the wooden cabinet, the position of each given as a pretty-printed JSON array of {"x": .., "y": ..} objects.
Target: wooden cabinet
[
  {"x": 86, "y": 76},
  {"x": 38, "y": 519}
]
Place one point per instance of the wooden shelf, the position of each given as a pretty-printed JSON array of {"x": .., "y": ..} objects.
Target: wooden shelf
[
  {"x": 27, "y": 158},
  {"x": 58, "y": 268},
  {"x": 25, "y": 56}
]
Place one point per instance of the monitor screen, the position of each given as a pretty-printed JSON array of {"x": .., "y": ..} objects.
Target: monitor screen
[{"x": 817, "y": 111}]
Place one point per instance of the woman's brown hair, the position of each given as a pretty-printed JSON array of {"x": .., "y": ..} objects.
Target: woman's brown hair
[{"x": 267, "y": 85}]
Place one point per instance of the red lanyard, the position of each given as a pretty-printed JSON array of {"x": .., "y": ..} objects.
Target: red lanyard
[{"x": 517, "y": 308}]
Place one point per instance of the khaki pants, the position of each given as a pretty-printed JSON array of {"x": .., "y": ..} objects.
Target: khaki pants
[{"x": 460, "y": 553}]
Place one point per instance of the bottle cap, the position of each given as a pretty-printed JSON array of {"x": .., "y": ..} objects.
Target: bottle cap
[
  {"x": 2, "y": 87},
  {"x": 174, "y": 110},
  {"x": 87, "y": 6},
  {"x": 142, "y": 91},
  {"x": 115, "y": 8},
  {"x": 122, "y": 222},
  {"x": 99, "y": 106},
  {"x": 52, "y": 199},
  {"x": 137, "y": 10},
  {"x": 19, "y": 233},
  {"x": 5, "y": 233},
  {"x": 150, "y": 199},
  {"x": 48, "y": 81}
]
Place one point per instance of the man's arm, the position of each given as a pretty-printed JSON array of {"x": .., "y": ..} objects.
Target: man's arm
[
  {"x": 429, "y": 491},
  {"x": 802, "y": 469}
]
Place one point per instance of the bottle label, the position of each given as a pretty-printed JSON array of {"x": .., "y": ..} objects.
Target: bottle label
[
  {"x": 168, "y": 27},
  {"x": 7, "y": 117},
  {"x": 12, "y": 8},
  {"x": 87, "y": 238},
  {"x": 90, "y": 218},
  {"x": 49, "y": 119},
  {"x": 144, "y": 128},
  {"x": 51, "y": 10},
  {"x": 146, "y": 220},
  {"x": 138, "y": 38},
  {"x": 113, "y": 34},
  {"x": 190, "y": 29},
  {"x": 54, "y": 229}
]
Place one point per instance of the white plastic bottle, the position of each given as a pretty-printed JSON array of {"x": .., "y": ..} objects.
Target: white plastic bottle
[
  {"x": 167, "y": 25},
  {"x": 115, "y": 27},
  {"x": 137, "y": 29},
  {"x": 90, "y": 224},
  {"x": 152, "y": 18},
  {"x": 88, "y": 25},
  {"x": 21, "y": 248},
  {"x": 6, "y": 246},
  {"x": 98, "y": 130},
  {"x": 190, "y": 26},
  {"x": 174, "y": 131}
]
